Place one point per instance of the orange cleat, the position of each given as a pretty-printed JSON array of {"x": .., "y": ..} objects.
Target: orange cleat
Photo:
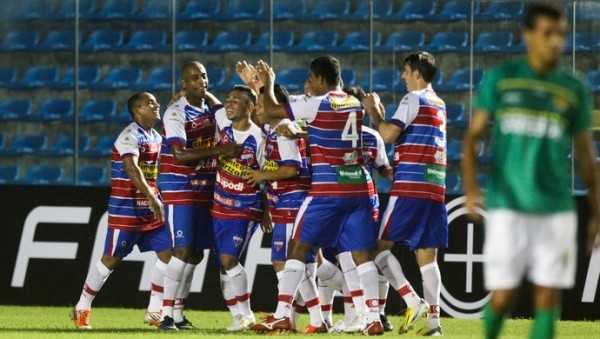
[
  {"x": 81, "y": 319},
  {"x": 310, "y": 329},
  {"x": 373, "y": 328},
  {"x": 271, "y": 323}
]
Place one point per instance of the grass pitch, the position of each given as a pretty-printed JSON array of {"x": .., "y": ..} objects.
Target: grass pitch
[{"x": 53, "y": 322}]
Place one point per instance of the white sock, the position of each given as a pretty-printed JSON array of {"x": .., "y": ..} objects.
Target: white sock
[
  {"x": 309, "y": 292},
  {"x": 331, "y": 275},
  {"x": 93, "y": 283},
  {"x": 293, "y": 273},
  {"x": 432, "y": 283},
  {"x": 384, "y": 287},
  {"x": 326, "y": 298},
  {"x": 391, "y": 269},
  {"x": 172, "y": 280},
  {"x": 369, "y": 281},
  {"x": 239, "y": 281},
  {"x": 353, "y": 281},
  {"x": 229, "y": 295},
  {"x": 183, "y": 291},
  {"x": 156, "y": 287},
  {"x": 349, "y": 310}
]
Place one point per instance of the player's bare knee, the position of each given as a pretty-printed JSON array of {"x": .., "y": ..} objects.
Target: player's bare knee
[
  {"x": 228, "y": 262},
  {"x": 361, "y": 257},
  {"x": 278, "y": 266},
  {"x": 501, "y": 300},
  {"x": 183, "y": 253},
  {"x": 297, "y": 250},
  {"x": 425, "y": 256},
  {"x": 165, "y": 256},
  {"x": 384, "y": 245},
  {"x": 110, "y": 262},
  {"x": 546, "y": 298}
]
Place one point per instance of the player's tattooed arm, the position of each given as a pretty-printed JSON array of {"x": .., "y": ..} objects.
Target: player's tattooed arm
[
  {"x": 134, "y": 172},
  {"x": 283, "y": 172},
  {"x": 469, "y": 163},
  {"x": 373, "y": 106},
  {"x": 273, "y": 109},
  {"x": 585, "y": 154}
]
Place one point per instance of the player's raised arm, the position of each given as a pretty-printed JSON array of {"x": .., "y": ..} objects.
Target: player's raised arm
[
  {"x": 134, "y": 172},
  {"x": 469, "y": 162},
  {"x": 273, "y": 109}
]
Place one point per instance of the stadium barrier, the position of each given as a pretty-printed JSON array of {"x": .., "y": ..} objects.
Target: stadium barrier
[{"x": 53, "y": 234}]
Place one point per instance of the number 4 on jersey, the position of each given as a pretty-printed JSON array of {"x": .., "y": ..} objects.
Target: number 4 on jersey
[{"x": 350, "y": 132}]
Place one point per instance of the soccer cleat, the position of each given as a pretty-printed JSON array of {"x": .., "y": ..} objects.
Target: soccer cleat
[
  {"x": 411, "y": 315},
  {"x": 430, "y": 332},
  {"x": 339, "y": 327},
  {"x": 273, "y": 324},
  {"x": 355, "y": 325},
  {"x": 185, "y": 324},
  {"x": 247, "y": 321},
  {"x": 387, "y": 325},
  {"x": 167, "y": 324},
  {"x": 310, "y": 329},
  {"x": 152, "y": 318},
  {"x": 81, "y": 319},
  {"x": 373, "y": 328},
  {"x": 236, "y": 324}
]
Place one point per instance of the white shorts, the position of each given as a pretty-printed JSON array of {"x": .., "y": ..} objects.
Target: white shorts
[{"x": 543, "y": 246}]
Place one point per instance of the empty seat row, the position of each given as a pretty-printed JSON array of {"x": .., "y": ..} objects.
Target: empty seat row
[
  {"x": 37, "y": 144},
  {"x": 53, "y": 175}
]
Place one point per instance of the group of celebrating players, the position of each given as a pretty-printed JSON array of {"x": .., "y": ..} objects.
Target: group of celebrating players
[{"x": 301, "y": 167}]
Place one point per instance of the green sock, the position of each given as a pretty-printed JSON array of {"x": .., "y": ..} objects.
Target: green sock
[
  {"x": 543, "y": 324},
  {"x": 492, "y": 322}
]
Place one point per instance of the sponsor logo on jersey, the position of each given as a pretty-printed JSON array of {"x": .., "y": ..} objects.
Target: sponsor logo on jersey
[
  {"x": 237, "y": 240},
  {"x": 278, "y": 245},
  {"x": 230, "y": 185}
]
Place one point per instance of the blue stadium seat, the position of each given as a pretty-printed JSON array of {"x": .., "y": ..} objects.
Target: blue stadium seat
[
  {"x": 584, "y": 42},
  {"x": 2, "y": 142},
  {"x": 384, "y": 80},
  {"x": 58, "y": 41},
  {"x": 54, "y": 110},
  {"x": 244, "y": 10},
  {"x": 88, "y": 76},
  {"x": 459, "y": 81},
  {"x": 358, "y": 42},
  {"x": 29, "y": 144},
  {"x": 235, "y": 80},
  {"x": 587, "y": 11},
  {"x": 191, "y": 40},
  {"x": 103, "y": 147},
  {"x": 93, "y": 176},
  {"x": 159, "y": 79},
  {"x": 292, "y": 79},
  {"x": 456, "y": 115},
  {"x": 348, "y": 77},
  {"x": 18, "y": 109},
  {"x": 414, "y": 10},
  {"x": 44, "y": 175},
  {"x": 27, "y": 10},
  {"x": 317, "y": 41},
  {"x": 103, "y": 40},
  {"x": 457, "y": 10},
  {"x": 66, "y": 11},
  {"x": 20, "y": 41},
  {"x": 216, "y": 77},
  {"x": 117, "y": 10},
  {"x": 97, "y": 111},
  {"x": 231, "y": 41},
  {"x": 438, "y": 79},
  {"x": 453, "y": 184},
  {"x": 381, "y": 9},
  {"x": 201, "y": 10},
  {"x": 454, "y": 150},
  {"x": 155, "y": 10},
  {"x": 64, "y": 145},
  {"x": 403, "y": 42},
  {"x": 282, "y": 40},
  {"x": 141, "y": 41},
  {"x": 8, "y": 77},
  {"x": 287, "y": 10},
  {"x": 9, "y": 174},
  {"x": 329, "y": 10},
  {"x": 593, "y": 79},
  {"x": 122, "y": 117},
  {"x": 493, "y": 42},
  {"x": 38, "y": 77},
  {"x": 502, "y": 10},
  {"x": 121, "y": 78},
  {"x": 449, "y": 42}
]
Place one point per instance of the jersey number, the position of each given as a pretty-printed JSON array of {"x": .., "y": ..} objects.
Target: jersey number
[{"x": 350, "y": 132}]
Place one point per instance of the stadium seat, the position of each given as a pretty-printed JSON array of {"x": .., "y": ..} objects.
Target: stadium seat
[
  {"x": 58, "y": 41},
  {"x": 587, "y": 11},
  {"x": 66, "y": 11},
  {"x": 9, "y": 174},
  {"x": 28, "y": 144},
  {"x": 44, "y": 175},
  {"x": 449, "y": 42},
  {"x": 235, "y": 80},
  {"x": 231, "y": 41},
  {"x": 459, "y": 81},
  {"x": 329, "y": 10},
  {"x": 200, "y": 10},
  {"x": 414, "y": 10},
  {"x": 584, "y": 42},
  {"x": 27, "y": 10},
  {"x": 456, "y": 115},
  {"x": 593, "y": 78},
  {"x": 317, "y": 41},
  {"x": 92, "y": 176},
  {"x": 453, "y": 184},
  {"x": 120, "y": 78},
  {"x": 457, "y": 10},
  {"x": 8, "y": 77},
  {"x": 358, "y": 42},
  {"x": 159, "y": 79},
  {"x": 381, "y": 9},
  {"x": 97, "y": 111},
  {"x": 292, "y": 79},
  {"x": 122, "y": 116},
  {"x": 54, "y": 110},
  {"x": 390, "y": 109},
  {"x": 142, "y": 41},
  {"x": 64, "y": 145},
  {"x": 244, "y": 9},
  {"x": 281, "y": 40},
  {"x": 103, "y": 40},
  {"x": 493, "y": 42},
  {"x": 38, "y": 77},
  {"x": 102, "y": 148},
  {"x": 20, "y": 41},
  {"x": 287, "y": 10},
  {"x": 438, "y": 79},
  {"x": 348, "y": 77},
  {"x": 19, "y": 109},
  {"x": 155, "y": 10},
  {"x": 454, "y": 150},
  {"x": 501, "y": 10},
  {"x": 191, "y": 40},
  {"x": 403, "y": 42},
  {"x": 88, "y": 76},
  {"x": 117, "y": 10},
  {"x": 384, "y": 80},
  {"x": 216, "y": 77}
]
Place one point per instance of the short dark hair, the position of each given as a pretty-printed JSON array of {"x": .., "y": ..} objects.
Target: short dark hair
[
  {"x": 328, "y": 68},
  {"x": 247, "y": 90},
  {"x": 537, "y": 9},
  {"x": 423, "y": 62},
  {"x": 356, "y": 91},
  {"x": 133, "y": 101},
  {"x": 190, "y": 64}
]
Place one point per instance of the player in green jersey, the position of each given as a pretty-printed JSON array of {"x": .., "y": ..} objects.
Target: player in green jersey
[{"x": 531, "y": 225}]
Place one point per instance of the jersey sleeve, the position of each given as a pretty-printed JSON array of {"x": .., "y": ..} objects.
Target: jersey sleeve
[
  {"x": 127, "y": 143},
  {"x": 406, "y": 112},
  {"x": 174, "y": 124},
  {"x": 486, "y": 98},
  {"x": 381, "y": 160},
  {"x": 583, "y": 116},
  {"x": 289, "y": 151},
  {"x": 303, "y": 107}
]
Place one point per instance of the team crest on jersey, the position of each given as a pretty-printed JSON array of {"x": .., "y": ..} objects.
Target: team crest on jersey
[
  {"x": 179, "y": 234},
  {"x": 237, "y": 240},
  {"x": 278, "y": 245}
]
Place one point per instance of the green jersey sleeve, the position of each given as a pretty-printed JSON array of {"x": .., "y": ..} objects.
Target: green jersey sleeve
[
  {"x": 582, "y": 119},
  {"x": 486, "y": 98}
]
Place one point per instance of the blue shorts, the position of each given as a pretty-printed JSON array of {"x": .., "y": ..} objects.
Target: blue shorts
[
  {"x": 190, "y": 225},
  {"x": 282, "y": 233},
  {"x": 343, "y": 223},
  {"x": 232, "y": 235},
  {"x": 119, "y": 243},
  {"x": 415, "y": 222}
]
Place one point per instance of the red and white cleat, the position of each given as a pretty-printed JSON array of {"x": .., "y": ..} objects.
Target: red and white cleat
[
  {"x": 271, "y": 323},
  {"x": 373, "y": 328},
  {"x": 81, "y": 319},
  {"x": 152, "y": 318},
  {"x": 310, "y": 329}
]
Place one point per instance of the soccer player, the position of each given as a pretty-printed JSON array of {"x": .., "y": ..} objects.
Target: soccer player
[
  {"x": 237, "y": 205},
  {"x": 187, "y": 174},
  {"x": 135, "y": 209},
  {"x": 337, "y": 212},
  {"x": 416, "y": 213},
  {"x": 531, "y": 225}
]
